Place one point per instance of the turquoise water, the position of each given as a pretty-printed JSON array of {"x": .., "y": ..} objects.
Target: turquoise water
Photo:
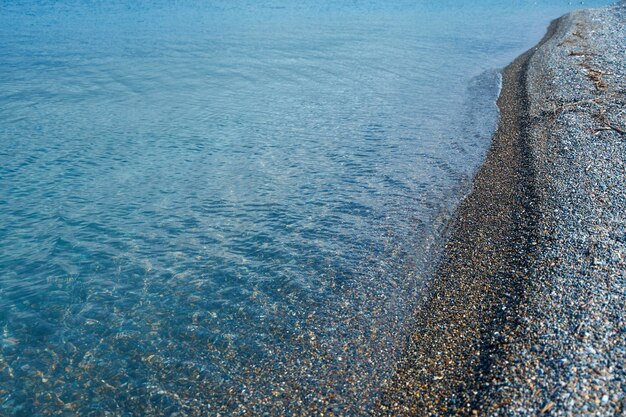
[{"x": 229, "y": 207}]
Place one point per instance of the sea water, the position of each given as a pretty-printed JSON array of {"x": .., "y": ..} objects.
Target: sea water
[{"x": 231, "y": 206}]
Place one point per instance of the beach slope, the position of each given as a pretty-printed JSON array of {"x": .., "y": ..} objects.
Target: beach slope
[{"x": 525, "y": 315}]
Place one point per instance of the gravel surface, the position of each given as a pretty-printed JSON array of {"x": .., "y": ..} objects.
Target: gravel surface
[
  {"x": 570, "y": 357},
  {"x": 526, "y": 315}
]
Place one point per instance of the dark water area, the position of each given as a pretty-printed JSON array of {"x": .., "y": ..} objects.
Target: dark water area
[{"x": 230, "y": 207}]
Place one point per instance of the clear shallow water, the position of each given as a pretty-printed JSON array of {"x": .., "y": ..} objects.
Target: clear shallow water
[{"x": 229, "y": 206}]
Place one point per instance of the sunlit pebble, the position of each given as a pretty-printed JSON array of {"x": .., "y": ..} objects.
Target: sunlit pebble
[{"x": 9, "y": 341}]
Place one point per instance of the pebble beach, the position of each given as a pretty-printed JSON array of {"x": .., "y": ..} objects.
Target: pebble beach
[
  {"x": 525, "y": 315},
  {"x": 301, "y": 208}
]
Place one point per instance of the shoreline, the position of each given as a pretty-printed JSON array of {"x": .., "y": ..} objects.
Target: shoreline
[{"x": 478, "y": 347}]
